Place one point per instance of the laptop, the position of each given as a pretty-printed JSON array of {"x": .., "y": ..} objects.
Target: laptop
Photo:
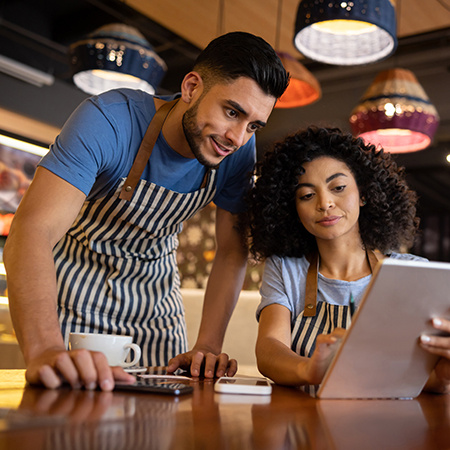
[{"x": 380, "y": 355}]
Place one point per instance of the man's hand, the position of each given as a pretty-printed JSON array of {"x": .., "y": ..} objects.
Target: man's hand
[
  {"x": 79, "y": 368},
  {"x": 203, "y": 362}
]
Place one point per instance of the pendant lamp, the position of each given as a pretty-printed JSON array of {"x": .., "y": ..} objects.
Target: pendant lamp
[
  {"x": 396, "y": 113},
  {"x": 115, "y": 56},
  {"x": 303, "y": 88},
  {"x": 346, "y": 33}
]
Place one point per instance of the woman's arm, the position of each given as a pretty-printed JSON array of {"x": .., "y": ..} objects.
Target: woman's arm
[{"x": 278, "y": 362}]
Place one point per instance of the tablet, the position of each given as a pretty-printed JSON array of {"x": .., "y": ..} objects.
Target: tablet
[{"x": 380, "y": 355}]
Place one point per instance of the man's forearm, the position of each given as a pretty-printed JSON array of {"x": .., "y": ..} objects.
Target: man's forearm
[
  {"x": 222, "y": 292},
  {"x": 32, "y": 295}
]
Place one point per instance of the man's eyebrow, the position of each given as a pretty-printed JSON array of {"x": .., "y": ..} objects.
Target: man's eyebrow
[{"x": 239, "y": 108}]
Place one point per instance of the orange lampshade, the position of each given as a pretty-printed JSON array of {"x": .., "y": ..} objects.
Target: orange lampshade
[
  {"x": 303, "y": 88},
  {"x": 396, "y": 113}
]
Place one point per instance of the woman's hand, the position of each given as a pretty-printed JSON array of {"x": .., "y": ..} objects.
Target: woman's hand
[
  {"x": 439, "y": 380},
  {"x": 326, "y": 347}
]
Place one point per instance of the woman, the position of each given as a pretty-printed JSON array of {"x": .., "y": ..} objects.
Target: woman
[{"x": 326, "y": 207}]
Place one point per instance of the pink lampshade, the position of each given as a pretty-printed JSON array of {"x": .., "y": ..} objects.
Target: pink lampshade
[
  {"x": 303, "y": 89},
  {"x": 396, "y": 113}
]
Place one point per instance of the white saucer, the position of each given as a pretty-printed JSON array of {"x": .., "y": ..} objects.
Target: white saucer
[{"x": 135, "y": 369}]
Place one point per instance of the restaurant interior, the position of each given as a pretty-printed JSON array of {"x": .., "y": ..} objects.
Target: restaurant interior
[
  {"x": 37, "y": 34},
  {"x": 41, "y": 45}
]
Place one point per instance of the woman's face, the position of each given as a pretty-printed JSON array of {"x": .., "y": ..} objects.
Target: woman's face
[{"x": 328, "y": 200}]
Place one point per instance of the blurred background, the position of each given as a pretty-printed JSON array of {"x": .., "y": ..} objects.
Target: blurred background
[{"x": 38, "y": 93}]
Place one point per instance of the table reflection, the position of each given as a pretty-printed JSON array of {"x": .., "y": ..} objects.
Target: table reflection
[
  {"x": 288, "y": 419},
  {"x": 75, "y": 420}
]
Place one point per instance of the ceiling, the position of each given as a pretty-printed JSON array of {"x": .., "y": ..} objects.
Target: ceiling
[{"x": 38, "y": 32}]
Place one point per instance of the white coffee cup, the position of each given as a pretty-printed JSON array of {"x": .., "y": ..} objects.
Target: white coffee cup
[{"x": 116, "y": 348}]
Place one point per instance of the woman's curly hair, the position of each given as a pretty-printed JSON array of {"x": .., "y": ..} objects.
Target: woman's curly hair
[{"x": 387, "y": 221}]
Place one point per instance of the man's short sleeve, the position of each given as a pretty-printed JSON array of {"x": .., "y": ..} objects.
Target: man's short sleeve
[{"x": 87, "y": 145}]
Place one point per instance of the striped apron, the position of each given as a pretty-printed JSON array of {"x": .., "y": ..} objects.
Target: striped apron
[
  {"x": 319, "y": 317},
  {"x": 116, "y": 266}
]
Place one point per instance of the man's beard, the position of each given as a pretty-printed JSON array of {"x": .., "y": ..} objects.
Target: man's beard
[{"x": 194, "y": 135}]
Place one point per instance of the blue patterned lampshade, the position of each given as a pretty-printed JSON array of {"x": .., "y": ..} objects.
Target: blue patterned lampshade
[
  {"x": 115, "y": 56},
  {"x": 346, "y": 33}
]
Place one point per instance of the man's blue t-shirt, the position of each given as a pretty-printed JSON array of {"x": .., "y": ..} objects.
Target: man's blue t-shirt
[{"x": 98, "y": 144}]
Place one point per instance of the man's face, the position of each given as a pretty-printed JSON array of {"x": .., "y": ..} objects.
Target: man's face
[{"x": 224, "y": 118}]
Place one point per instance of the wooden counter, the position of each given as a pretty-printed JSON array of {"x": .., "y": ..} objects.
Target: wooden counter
[{"x": 35, "y": 418}]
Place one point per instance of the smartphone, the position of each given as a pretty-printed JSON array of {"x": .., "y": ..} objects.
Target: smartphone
[
  {"x": 243, "y": 385},
  {"x": 159, "y": 386}
]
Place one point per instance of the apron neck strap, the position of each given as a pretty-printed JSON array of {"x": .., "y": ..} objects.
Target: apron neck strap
[
  {"x": 312, "y": 279},
  {"x": 145, "y": 150}
]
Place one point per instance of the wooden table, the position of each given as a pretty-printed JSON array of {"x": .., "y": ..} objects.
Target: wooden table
[{"x": 35, "y": 418}]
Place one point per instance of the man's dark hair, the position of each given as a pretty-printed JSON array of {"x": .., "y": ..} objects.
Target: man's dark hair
[{"x": 240, "y": 54}]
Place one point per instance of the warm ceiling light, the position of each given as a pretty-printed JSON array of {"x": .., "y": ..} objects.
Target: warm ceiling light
[
  {"x": 303, "y": 89},
  {"x": 22, "y": 145},
  {"x": 346, "y": 32},
  {"x": 396, "y": 113},
  {"x": 116, "y": 56}
]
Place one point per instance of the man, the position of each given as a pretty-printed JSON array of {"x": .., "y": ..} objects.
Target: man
[{"x": 93, "y": 243}]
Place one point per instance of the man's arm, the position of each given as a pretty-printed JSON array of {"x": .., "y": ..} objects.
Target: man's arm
[
  {"x": 222, "y": 291},
  {"x": 46, "y": 212}
]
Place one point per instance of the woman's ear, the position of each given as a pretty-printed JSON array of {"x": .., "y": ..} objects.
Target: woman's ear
[
  {"x": 362, "y": 201},
  {"x": 191, "y": 86}
]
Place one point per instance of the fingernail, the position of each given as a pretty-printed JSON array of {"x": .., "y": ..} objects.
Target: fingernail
[
  {"x": 425, "y": 339},
  {"x": 91, "y": 386},
  {"x": 437, "y": 322},
  {"x": 106, "y": 385}
]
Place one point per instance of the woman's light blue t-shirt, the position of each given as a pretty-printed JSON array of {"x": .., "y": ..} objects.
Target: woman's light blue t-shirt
[{"x": 284, "y": 283}]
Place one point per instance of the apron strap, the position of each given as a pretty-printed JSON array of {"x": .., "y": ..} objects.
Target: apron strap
[
  {"x": 311, "y": 287},
  {"x": 373, "y": 259},
  {"x": 312, "y": 278},
  {"x": 145, "y": 150}
]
